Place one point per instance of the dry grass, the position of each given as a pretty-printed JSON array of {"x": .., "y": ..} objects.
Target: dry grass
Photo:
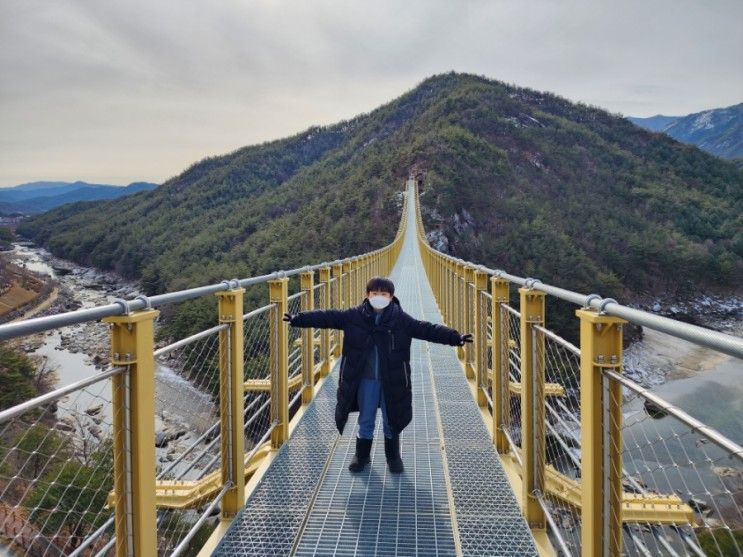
[{"x": 15, "y": 297}]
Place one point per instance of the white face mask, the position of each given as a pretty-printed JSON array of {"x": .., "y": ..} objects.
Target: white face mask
[{"x": 379, "y": 302}]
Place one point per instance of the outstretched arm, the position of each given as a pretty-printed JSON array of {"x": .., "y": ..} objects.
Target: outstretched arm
[
  {"x": 432, "y": 332},
  {"x": 320, "y": 319}
]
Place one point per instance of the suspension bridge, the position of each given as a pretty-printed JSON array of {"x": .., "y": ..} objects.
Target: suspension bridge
[{"x": 224, "y": 442}]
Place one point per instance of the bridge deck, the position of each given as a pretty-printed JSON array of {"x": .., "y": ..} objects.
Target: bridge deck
[{"x": 453, "y": 497}]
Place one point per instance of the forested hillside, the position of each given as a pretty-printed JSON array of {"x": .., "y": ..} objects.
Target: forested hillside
[{"x": 515, "y": 178}]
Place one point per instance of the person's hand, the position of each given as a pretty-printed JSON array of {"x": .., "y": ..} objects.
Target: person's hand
[
  {"x": 465, "y": 338},
  {"x": 288, "y": 317}
]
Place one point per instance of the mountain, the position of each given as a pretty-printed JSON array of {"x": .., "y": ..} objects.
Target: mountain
[
  {"x": 37, "y": 197},
  {"x": 718, "y": 131},
  {"x": 515, "y": 178},
  {"x": 655, "y": 123}
]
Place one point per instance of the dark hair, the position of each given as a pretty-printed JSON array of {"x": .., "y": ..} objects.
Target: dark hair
[{"x": 381, "y": 284}]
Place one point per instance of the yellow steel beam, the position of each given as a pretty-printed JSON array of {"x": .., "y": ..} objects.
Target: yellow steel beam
[
  {"x": 177, "y": 494},
  {"x": 231, "y": 414},
  {"x": 325, "y": 303},
  {"x": 636, "y": 508},
  {"x": 255, "y": 385},
  {"x": 132, "y": 345},
  {"x": 308, "y": 338},
  {"x": 264, "y": 385},
  {"x": 298, "y": 342},
  {"x": 600, "y": 433},
  {"x": 550, "y": 389},
  {"x": 499, "y": 289},
  {"x": 532, "y": 404},
  {"x": 279, "y": 357}
]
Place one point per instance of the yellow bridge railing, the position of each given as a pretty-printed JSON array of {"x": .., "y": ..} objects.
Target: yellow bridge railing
[
  {"x": 136, "y": 459},
  {"x": 600, "y": 484}
]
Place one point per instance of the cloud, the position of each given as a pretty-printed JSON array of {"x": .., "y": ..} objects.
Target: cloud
[{"x": 117, "y": 91}]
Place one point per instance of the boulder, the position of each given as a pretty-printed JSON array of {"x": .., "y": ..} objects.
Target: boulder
[{"x": 94, "y": 410}]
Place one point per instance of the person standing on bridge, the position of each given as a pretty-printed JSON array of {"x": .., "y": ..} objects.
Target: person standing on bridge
[{"x": 375, "y": 367}]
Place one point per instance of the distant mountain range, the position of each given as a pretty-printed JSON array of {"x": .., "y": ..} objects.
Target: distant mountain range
[
  {"x": 38, "y": 197},
  {"x": 718, "y": 131}
]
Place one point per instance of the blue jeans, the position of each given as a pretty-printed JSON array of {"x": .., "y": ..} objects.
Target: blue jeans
[{"x": 370, "y": 398}]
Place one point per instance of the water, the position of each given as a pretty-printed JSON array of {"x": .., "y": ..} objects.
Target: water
[
  {"x": 24, "y": 254},
  {"x": 179, "y": 405},
  {"x": 703, "y": 383}
]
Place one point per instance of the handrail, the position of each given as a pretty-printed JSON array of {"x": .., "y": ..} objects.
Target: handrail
[
  {"x": 725, "y": 343},
  {"x": 122, "y": 307},
  {"x": 602, "y": 500}
]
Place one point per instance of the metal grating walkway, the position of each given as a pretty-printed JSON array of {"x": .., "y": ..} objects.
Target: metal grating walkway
[{"x": 453, "y": 498}]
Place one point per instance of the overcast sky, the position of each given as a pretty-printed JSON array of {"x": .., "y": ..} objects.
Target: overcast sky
[{"x": 114, "y": 92}]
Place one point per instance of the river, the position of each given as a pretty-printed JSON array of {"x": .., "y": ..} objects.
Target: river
[
  {"x": 80, "y": 351},
  {"x": 704, "y": 383}
]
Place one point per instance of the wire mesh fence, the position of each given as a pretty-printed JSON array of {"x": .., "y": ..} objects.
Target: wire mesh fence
[
  {"x": 485, "y": 301},
  {"x": 512, "y": 332},
  {"x": 187, "y": 436},
  {"x": 334, "y": 302},
  {"x": 663, "y": 454},
  {"x": 688, "y": 478},
  {"x": 320, "y": 293},
  {"x": 469, "y": 326},
  {"x": 257, "y": 402},
  {"x": 562, "y": 435},
  {"x": 295, "y": 354},
  {"x": 56, "y": 472},
  {"x": 187, "y": 409}
]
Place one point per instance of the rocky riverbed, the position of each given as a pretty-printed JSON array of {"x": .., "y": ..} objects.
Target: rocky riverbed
[
  {"x": 79, "y": 351},
  {"x": 657, "y": 357}
]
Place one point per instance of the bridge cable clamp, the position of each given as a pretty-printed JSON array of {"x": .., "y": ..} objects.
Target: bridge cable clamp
[
  {"x": 145, "y": 299},
  {"x": 531, "y": 282},
  {"x": 604, "y": 303},
  {"x": 232, "y": 284},
  {"x": 124, "y": 305},
  {"x": 590, "y": 298}
]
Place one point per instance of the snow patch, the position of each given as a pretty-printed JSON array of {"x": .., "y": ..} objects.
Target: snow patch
[{"x": 703, "y": 121}]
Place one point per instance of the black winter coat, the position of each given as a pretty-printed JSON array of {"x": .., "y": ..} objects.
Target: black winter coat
[{"x": 392, "y": 336}]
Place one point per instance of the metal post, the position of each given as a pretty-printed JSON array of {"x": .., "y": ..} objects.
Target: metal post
[
  {"x": 601, "y": 433},
  {"x": 480, "y": 330},
  {"x": 450, "y": 293},
  {"x": 132, "y": 346},
  {"x": 460, "y": 304},
  {"x": 501, "y": 395},
  {"x": 353, "y": 278},
  {"x": 307, "y": 284},
  {"x": 279, "y": 333},
  {"x": 231, "y": 415},
  {"x": 347, "y": 299},
  {"x": 324, "y": 275},
  {"x": 469, "y": 312},
  {"x": 363, "y": 278},
  {"x": 532, "y": 405},
  {"x": 337, "y": 303}
]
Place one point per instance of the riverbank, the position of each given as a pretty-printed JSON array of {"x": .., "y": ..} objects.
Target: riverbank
[
  {"x": 20, "y": 288},
  {"x": 79, "y": 351}
]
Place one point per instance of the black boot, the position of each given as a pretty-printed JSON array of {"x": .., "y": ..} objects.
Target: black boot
[
  {"x": 361, "y": 458},
  {"x": 392, "y": 452}
]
